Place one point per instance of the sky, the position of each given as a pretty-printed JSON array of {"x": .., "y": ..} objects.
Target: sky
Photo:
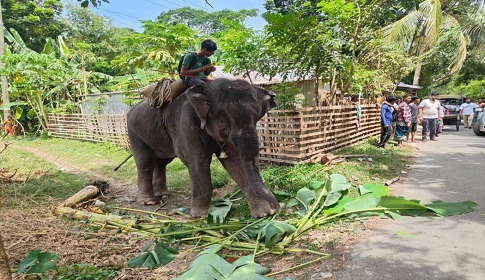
[{"x": 128, "y": 13}]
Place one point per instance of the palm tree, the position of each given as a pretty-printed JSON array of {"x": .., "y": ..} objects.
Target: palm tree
[{"x": 420, "y": 29}]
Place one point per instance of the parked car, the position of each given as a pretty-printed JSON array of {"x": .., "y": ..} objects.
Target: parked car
[
  {"x": 479, "y": 119},
  {"x": 451, "y": 105}
]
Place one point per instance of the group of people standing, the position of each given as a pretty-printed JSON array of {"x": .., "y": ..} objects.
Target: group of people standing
[{"x": 400, "y": 117}]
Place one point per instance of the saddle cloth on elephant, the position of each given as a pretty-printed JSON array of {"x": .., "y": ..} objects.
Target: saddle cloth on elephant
[{"x": 163, "y": 91}]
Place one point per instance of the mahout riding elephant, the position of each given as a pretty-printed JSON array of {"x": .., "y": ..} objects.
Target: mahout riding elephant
[{"x": 217, "y": 118}]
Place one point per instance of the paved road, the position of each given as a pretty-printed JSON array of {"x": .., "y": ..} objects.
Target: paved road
[{"x": 451, "y": 169}]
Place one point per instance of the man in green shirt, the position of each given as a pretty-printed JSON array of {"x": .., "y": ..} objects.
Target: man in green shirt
[{"x": 196, "y": 72}]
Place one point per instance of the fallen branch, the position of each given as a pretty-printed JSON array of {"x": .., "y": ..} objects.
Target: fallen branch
[{"x": 392, "y": 181}]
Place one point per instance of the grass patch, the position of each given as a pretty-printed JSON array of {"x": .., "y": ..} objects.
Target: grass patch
[
  {"x": 101, "y": 159},
  {"x": 40, "y": 182}
]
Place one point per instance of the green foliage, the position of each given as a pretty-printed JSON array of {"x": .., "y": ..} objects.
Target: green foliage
[
  {"x": 287, "y": 96},
  {"x": 239, "y": 47},
  {"x": 82, "y": 272},
  {"x": 37, "y": 262},
  {"x": 218, "y": 211},
  {"x": 161, "y": 254},
  {"x": 158, "y": 47},
  {"x": 205, "y": 23},
  {"x": 209, "y": 265},
  {"x": 34, "y": 20}
]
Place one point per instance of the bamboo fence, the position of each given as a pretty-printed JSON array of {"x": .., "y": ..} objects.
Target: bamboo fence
[{"x": 286, "y": 136}]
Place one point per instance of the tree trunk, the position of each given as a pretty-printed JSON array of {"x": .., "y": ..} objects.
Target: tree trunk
[
  {"x": 419, "y": 66},
  {"x": 3, "y": 79},
  {"x": 4, "y": 267}
]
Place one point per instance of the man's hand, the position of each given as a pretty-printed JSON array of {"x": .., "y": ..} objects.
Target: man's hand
[{"x": 420, "y": 120}]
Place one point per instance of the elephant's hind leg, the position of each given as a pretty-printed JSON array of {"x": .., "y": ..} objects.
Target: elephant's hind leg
[
  {"x": 160, "y": 179},
  {"x": 145, "y": 164}
]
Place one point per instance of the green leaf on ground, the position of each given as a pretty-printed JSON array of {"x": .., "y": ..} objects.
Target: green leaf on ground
[
  {"x": 338, "y": 183},
  {"x": 162, "y": 254},
  {"x": 315, "y": 185},
  {"x": 362, "y": 203},
  {"x": 38, "y": 262},
  {"x": 402, "y": 206},
  {"x": 450, "y": 208},
  {"x": 208, "y": 265},
  {"x": 218, "y": 211},
  {"x": 332, "y": 198},
  {"x": 376, "y": 190},
  {"x": 337, "y": 208},
  {"x": 281, "y": 195},
  {"x": 249, "y": 261}
]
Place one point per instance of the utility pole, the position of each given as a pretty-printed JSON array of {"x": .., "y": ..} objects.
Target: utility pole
[{"x": 5, "y": 98}]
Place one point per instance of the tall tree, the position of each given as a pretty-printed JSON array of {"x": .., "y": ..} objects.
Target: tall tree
[
  {"x": 95, "y": 38},
  {"x": 206, "y": 23},
  {"x": 34, "y": 20},
  {"x": 421, "y": 28}
]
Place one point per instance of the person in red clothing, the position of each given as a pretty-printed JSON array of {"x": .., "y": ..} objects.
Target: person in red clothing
[
  {"x": 8, "y": 125},
  {"x": 403, "y": 120}
]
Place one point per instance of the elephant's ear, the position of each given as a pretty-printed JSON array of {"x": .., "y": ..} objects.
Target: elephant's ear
[
  {"x": 266, "y": 100},
  {"x": 200, "y": 103}
]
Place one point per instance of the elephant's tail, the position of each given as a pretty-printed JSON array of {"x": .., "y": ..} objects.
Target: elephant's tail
[{"x": 123, "y": 162}]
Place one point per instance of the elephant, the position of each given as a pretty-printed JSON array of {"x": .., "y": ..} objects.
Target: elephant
[{"x": 215, "y": 118}]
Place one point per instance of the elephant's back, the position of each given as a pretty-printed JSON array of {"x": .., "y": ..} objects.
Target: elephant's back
[{"x": 141, "y": 118}]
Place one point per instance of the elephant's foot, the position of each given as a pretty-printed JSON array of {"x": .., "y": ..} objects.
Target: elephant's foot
[
  {"x": 261, "y": 208},
  {"x": 199, "y": 211},
  {"x": 147, "y": 200},
  {"x": 162, "y": 194}
]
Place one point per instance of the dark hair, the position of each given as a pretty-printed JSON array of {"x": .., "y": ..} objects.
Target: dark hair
[
  {"x": 435, "y": 93},
  {"x": 209, "y": 45},
  {"x": 390, "y": 98},
  {"x": 414, "y": 98}
]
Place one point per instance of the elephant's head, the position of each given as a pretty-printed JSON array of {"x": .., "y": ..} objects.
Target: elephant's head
[{"x": 229, "y": 111}]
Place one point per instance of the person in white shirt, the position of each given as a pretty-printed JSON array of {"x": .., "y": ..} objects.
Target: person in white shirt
[
  {"x": 428, "y": 115},
  {"x": 466, "y": 111}
]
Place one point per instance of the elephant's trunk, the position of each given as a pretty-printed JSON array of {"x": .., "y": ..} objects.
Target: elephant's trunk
[{"x": 247, "y": 144}]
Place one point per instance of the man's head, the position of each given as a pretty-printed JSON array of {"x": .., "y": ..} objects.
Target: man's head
[
  {"x": 391, "y": 99},
  {"x": 434, "y": 96},
  {"x": 407, "y": 98},
  {"x": 208, "y": 47},
  {"x": 468, "y": 100},
  {"x": 9, "y": 117},
  {"x": 415, "y": 99}
]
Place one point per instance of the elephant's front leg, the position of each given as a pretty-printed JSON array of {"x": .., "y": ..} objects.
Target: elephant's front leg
[
  {"x": 246, "y": 174},
  {"x": 201, "y": 186}
]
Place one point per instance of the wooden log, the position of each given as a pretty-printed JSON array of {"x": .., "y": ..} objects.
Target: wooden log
[
  {"x": 86, "y": 193},
  {"x": 392, "y": 181}
]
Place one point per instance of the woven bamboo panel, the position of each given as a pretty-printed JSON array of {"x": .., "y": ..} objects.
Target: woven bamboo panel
[
  {"x": 286, "y": 136},
  {"x": 89, "y": 127},
  {"x": 294, "y": 136}
]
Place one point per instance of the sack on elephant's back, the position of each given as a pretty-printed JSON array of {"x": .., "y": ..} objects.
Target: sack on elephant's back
[{"x": 163, "y": 91}]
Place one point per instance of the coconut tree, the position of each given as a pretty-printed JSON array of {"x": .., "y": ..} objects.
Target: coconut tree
[{"x": 420, "y": 29}]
